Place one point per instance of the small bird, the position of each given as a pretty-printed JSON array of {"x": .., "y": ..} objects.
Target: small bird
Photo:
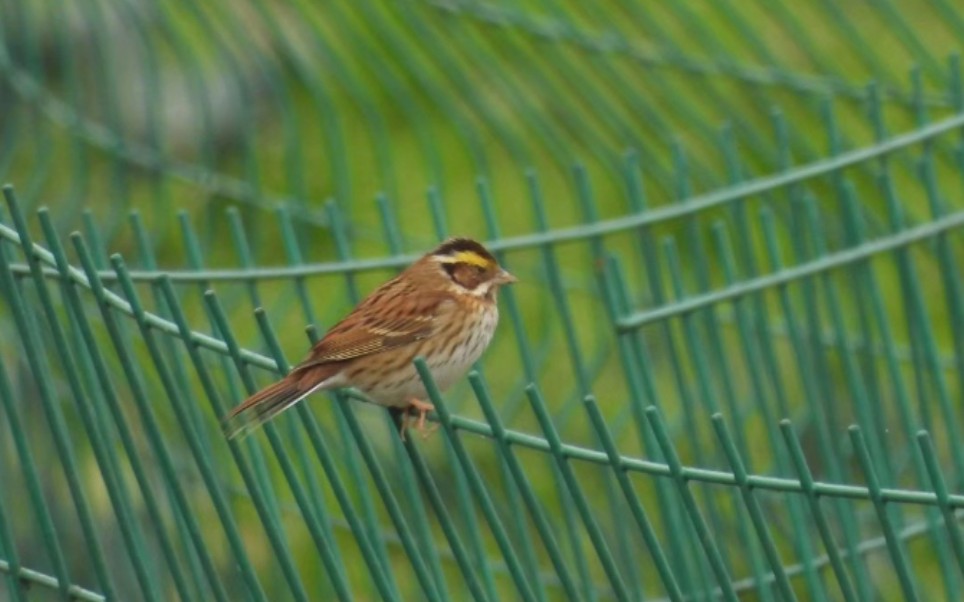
[{"x": 442, "y": 307}]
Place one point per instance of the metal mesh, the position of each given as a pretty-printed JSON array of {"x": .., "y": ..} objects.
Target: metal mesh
[{"x": 732, "y": 369}]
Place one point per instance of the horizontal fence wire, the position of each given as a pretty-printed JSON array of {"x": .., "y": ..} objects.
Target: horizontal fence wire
[
  {"x": 115, "y": 301},
  {"x": 732, "y": 366},
  {"x": 763, "y": 185}
]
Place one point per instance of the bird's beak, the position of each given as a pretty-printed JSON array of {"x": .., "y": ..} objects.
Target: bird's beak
[{"x": 504, "y": 277}]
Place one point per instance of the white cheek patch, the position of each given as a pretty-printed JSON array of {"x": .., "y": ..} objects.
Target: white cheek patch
[{"x": 481, "y": 291}]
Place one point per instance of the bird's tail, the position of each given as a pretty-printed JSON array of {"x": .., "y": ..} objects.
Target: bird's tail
[{"x": 270, "y": 401}]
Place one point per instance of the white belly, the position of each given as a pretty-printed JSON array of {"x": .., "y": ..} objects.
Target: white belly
[{"x": 447, "y": 370}]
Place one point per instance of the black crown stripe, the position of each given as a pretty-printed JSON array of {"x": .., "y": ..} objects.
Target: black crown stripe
[{"x": 461, "y": 245}]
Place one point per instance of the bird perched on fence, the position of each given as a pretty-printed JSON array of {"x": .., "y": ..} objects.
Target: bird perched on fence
[{"x": 442, "y": 308}]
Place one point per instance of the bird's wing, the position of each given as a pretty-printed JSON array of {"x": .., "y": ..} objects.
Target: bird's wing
[{"x": 380, "y": 323}]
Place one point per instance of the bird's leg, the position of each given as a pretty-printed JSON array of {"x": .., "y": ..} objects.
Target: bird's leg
[
  {"x": 402, "y": 417},
  {"x": 422, "y": 408}
]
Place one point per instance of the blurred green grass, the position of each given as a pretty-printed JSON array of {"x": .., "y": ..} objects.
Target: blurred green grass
[{"x": 119, "y": 107}]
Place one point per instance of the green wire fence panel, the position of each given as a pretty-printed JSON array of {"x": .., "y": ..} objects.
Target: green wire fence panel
[{"x": 732, "y": 368}]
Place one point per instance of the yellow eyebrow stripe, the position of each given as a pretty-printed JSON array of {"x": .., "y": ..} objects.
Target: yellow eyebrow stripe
[{"x": 470, "y": 257}]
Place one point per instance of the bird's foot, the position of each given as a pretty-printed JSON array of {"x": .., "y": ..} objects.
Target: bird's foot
[{"x": 421, "y": 409}]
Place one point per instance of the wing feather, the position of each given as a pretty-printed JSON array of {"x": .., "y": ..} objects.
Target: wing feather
[{"x": 389, "y": 320}]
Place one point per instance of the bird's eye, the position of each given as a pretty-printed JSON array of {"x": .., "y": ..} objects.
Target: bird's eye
[{"x": 479, "y": 270}]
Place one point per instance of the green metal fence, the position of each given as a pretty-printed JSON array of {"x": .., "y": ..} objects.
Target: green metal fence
[{"x": 732, "y": 369}]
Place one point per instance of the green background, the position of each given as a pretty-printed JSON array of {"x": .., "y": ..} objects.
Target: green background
[{"x": 748, "y": 208}]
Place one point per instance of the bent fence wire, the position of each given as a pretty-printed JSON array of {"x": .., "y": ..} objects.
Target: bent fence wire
[{"x": 732, "y": 367}]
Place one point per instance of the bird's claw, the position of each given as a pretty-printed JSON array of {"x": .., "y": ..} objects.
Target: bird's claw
[{"x": 422, "y": 408}]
